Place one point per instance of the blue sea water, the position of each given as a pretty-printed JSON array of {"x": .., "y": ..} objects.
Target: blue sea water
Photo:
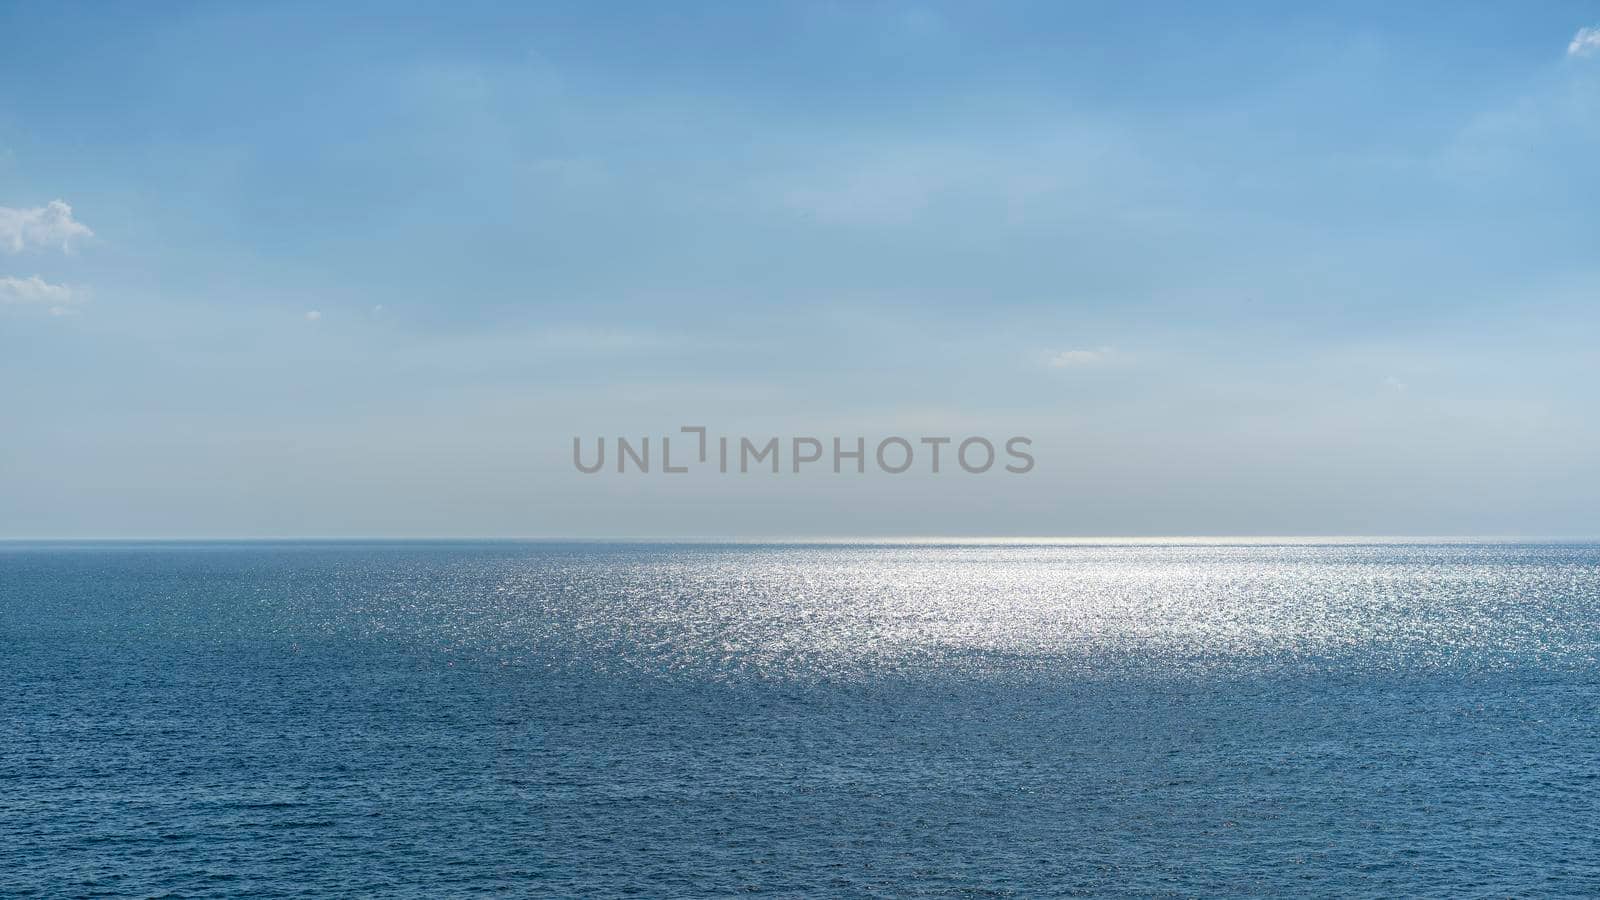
[{"x": 589, "y": 720}]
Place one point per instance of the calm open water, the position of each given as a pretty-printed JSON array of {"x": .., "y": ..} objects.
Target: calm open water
[{"x": 437, "y": 720}]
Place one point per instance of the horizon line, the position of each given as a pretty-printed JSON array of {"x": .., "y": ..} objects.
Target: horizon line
[{"x": 819, "y": 539}]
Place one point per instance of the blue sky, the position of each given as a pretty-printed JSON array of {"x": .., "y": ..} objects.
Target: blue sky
[{"x": 1237, "y": 269}]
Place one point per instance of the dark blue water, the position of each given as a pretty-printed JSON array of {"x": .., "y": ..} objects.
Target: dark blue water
[{"x": 666, "y": 721}]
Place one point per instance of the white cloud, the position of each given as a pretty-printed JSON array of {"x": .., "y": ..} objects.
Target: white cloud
[
  {"x": 1072, "y": 359},
  {"x": 35, "y": 291},
  {"x": 1585, "y": 43},
  {"x": 314, "y": 315},
  {"x": 32, "y": 290},
  {"x": 40, "y": 227}
]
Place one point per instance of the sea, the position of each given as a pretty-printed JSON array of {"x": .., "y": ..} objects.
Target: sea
[{"x": 926, "y": 719}]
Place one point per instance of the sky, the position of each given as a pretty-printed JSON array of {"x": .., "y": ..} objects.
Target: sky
[{"x": 345, "y": 270}]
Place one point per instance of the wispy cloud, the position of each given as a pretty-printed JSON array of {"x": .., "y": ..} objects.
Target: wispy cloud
[
  {"x": 314, "y": 315},
  {"x": 904, "y": 182},
  {"x": 1585, "y": 43},
  {"x": 40, "y": 227},
  {"x": 1074, "y": 359},
  {"x": 35, "y": 291}
]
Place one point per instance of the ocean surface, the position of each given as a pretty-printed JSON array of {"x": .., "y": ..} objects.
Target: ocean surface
[{"x": 660, "y": 720}]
